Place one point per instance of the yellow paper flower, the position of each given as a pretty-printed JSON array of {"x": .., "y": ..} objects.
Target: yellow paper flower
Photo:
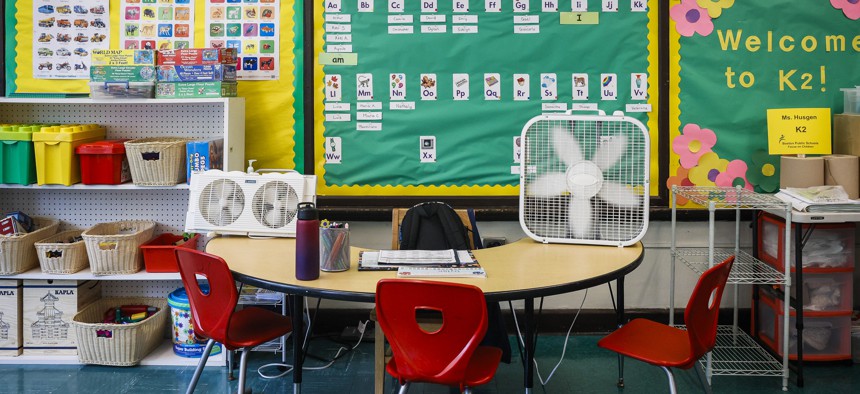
[
  {"x": 705, "y": 173},
  {"x": 715, "y": 7}
]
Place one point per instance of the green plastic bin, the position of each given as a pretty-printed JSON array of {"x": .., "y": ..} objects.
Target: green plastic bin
[{"x": 17, "y": 157}]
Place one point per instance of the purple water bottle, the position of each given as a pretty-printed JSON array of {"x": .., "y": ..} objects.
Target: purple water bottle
[{"x": 307, "y": 242}]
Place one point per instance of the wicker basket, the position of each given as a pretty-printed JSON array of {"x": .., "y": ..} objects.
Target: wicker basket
[
  {"x": 58, "y": 256},
  {"x": 114, "y": 248},
  {"x": 17, "y": 253},
  {"x": 157, "y": 161},
  {"x": 127, "y": 344}
]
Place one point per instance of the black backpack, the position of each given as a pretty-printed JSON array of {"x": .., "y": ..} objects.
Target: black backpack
[{"x": 433, "y": 226}]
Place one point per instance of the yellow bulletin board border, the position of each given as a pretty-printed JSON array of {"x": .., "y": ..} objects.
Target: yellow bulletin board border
[{"x": 468, "y": 190}]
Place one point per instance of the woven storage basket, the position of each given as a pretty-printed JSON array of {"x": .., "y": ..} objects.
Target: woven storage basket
[
  {"x": 157, "y": 161},
  {"x": 58, "y": 256},
  {"x": 17, "y": 253},
  {"x": 114, "y": 248},
  {"x": 128, "y": 343}
]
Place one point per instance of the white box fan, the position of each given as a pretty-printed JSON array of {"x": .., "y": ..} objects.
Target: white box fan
[
  {"x": 251, "y": 204},
  {"x": 584, "y": 179}
]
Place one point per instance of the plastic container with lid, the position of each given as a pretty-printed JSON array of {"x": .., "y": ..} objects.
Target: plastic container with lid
[
  {"x": 104, "y": 162},
  {"x": 17, "y": 159},
  {"x": 56, "y": 162},
  {"x": 852, "y": 100},
  {"x": 185, "y": 342}
]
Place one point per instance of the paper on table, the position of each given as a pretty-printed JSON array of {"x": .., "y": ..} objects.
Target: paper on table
[{"x": 424, "y": 257}]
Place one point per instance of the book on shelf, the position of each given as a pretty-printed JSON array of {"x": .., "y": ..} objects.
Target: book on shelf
[
  {"x": 426, "y": 263},
  {"x": 819, "y": 199}
]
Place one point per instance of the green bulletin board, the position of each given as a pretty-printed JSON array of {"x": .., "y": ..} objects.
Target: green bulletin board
[
  {"x": 474, "y": 138},
  {"x": 732, "y": 61}
]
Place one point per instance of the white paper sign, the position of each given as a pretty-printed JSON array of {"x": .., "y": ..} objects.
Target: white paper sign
[
  {"x": 518, "y": 149},
  {"x": 639, "y": 86},
  {"x": 492, "y": 86},
  {"x": 638, "y": 5},
  {"x": 342, "y": 48},
  {"x": 397, "y": 86},
  {"x": 548, "y": 86},
  {"x": 583, "y": 107},
  {"x": 609, "y": 5},
  {"x": 338, "y": 28},
  {"x": 521, "y": 87},
  {"x": 464, "y": 29},
  {"x": 338, "y": 37},
  {"x": 461, "y": 5},
  {"x": 430, "y": 29},
  {"x": 337, "y": 117},
  {"x": 579, "y": 5},
  {"x": 464, "y": 19},
  {"x": 521, "y": 5},
  {"x": 608, "y": 86},
  {"x": 526, "y": 29},
  {"x": 368, "y": 106},
  {"x": 436, "y": 18},
  {"x": 549, "y": 5},
  {"x": 332, "y": 6},
  {"x": 401, "y": 105},
  {"x": 375, "y": 115},
  {"x": 427, "y": 149},
  {"x": 461, "y": 86},
  {"x": 523, "y": 19},
  {"x": 333, "y": 87},
  {"x": 400, "y": 29},
  {"x": 428, "y": 86},
  {"x": 400, "y": 19},
  {"x": 364, "y": 86},
  {"x": 341, "y": 18},
  {"x": 638, "y": 108},
  {"x": 335, "y": 106},
  {"x": 332, "y": 150},
  {"x": 365, "y": 5},
  {"x": 395, "y": 5},
  {"x": 368, "y": 126},
  {"x": 492, "y": 5},
  {"x": 429, "y": 6},
  {"x": 580, "y": 86}
]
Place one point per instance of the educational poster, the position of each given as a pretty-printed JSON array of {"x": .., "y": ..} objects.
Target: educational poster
[
  {"x": 64, "y": 34},
  {"x": 737, "y": 60},
  {"x": 156, "y": 24},
  {"x": 426, "y": 97},
  {"x": 250, "y": 26}
]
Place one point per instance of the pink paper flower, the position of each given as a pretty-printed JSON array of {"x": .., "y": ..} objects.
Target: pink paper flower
[
  {"x": 734, "y": 175},
  {"x": 693, "y": 143},
  {"x": 715, "y": 7},
  {"x": 710, "y": 166},
  {"x": 851, "y": 8},
  {"x": 690, "y": 19}
]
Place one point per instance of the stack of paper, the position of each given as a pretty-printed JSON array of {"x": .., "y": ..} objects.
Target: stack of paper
[
  {"x": 819, "y": 199},
  {"x": 413, "y": 263}
]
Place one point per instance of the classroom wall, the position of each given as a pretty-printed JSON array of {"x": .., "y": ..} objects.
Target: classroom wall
[{"x": 646, "y": 288}]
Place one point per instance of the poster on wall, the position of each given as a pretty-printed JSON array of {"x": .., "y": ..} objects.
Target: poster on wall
[
  {"x": 64, "y": 34},
  {"x": 253, "y": 28},
  {"x": 156, "y": 24},
  {"x": 732, "y": 62}
]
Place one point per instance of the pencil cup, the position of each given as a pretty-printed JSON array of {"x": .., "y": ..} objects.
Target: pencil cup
[{"x": 334, "y": 249}]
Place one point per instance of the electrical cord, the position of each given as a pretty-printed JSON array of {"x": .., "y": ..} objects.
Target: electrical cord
[{"x": 521, "y": 343}]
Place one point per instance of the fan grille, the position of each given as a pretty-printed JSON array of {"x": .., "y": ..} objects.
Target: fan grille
[
  {"x": 275, "y": 204},
  {"x": 221, "y": 202},
  {"x": 552, "y": 210}
]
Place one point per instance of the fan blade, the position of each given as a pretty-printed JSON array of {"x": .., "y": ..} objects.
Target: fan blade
[
  {"x": 620, "y": 195},
  {"x": 566, "y": 147},
  {"x": 270, "y": 194},
  {"x": 547, "y": 185},
  {"x": 274, "y": 217},
  {"x": 609, "y": 152},
  {"x": 579, "y": 217}
]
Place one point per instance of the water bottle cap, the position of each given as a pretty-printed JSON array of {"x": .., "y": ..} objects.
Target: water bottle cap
[{"x": 307, "y": 211}]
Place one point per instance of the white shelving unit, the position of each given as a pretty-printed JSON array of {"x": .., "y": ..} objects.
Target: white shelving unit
[
  {"x": 735, "y": 353},
  {"x": 81, "y": 206}
]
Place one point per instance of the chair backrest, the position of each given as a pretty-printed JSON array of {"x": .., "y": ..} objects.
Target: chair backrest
[
  {"x": 440, "y": 356},
  {"x": 703, "y": 309},
  {"x": 211, "y": 312},
  {"x": 436, "y": 226}
]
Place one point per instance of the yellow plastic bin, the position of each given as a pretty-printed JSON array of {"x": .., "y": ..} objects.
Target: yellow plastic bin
[
  {"x": 56, "y": 161},
  {"x": 17, "y": 161}
]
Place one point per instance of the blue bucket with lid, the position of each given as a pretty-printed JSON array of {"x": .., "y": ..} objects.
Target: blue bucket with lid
[{"x": 185, "y": 342}]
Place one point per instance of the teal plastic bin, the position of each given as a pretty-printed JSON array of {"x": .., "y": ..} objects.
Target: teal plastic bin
[{"x": 17, "y": 157}]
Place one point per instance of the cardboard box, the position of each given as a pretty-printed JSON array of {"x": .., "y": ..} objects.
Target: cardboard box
[
  {"x": 195, "y": 89},
  {"x": 123, "y": 57},
  {"x": 122, "y": 74},
  {"x": 196, "y": 56},
  {"x": 49, "y": 307},
  {"x": 11, "y": 338},
  {"x": 846, "y": 134},
  {"x": 199, "y": 73},
  {"x": 204, "y": 155}
]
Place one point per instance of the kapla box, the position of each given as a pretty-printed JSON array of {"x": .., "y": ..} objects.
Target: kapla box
[
  {"x": 11, "y": 340},
  {"x": 49, "y": 306}
]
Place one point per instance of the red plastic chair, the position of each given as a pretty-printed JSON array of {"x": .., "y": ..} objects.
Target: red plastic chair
[
  {"x": 671, "y": 347},
  {"x": 215, "y": 316},
  {"x": 449, "y": 355}
]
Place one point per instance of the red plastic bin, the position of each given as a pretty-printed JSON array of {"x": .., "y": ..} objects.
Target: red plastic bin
[
  {"x": 158, "y": 253},
  {"x": 104, "y": 162}
]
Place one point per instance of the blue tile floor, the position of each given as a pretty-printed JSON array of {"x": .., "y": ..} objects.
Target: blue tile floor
[{"x": 585, "y": 369}]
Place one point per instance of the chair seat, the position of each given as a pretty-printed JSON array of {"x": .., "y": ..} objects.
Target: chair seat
[
  {"x": 651, "y": 342},
  {"x": 482, "y": 367},
  {"x": 252, "y": 326}
]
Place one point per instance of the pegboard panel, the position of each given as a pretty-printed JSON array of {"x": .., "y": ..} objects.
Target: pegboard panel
[
  {"x": 126, "y": 120},
  {"x": 81, "y": 209},
  {"x": 140, "y": 288}
]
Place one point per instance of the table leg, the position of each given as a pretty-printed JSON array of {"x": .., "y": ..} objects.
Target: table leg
[
  {"x": 620, "y": 315},
  {"x": 529, "y": 346},
  {"x": 297, "y": 316}
]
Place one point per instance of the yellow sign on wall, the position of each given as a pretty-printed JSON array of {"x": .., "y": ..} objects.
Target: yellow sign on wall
[{"x": 798, "y": 131}]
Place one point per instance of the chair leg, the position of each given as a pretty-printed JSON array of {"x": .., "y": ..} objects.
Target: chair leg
[
  {"x": 199, "y": 370},
  {"x": 700, "y": 372},
  {"x": 671, "y": 380},
  {"x": 620, "y": 383},
  {"x": 404, "y": 388},
  {"x": 378, "y": 359},
  {"x": 243, "y": 361}
]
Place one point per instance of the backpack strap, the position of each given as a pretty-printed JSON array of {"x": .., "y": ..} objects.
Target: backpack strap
[
  {"x": 476, "y": 237},
  {"x": 455, "y": 231}
]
